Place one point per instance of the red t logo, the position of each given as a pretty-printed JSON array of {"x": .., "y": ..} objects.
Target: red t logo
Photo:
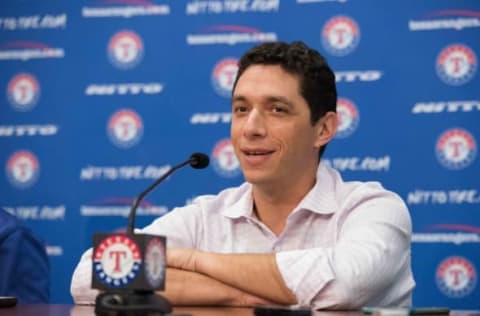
[
  {"x": 456, "y": 63},
  {"x": 22, "y": 166},
  {"x": 456, "y": 145},
  {"x": 456, "y": 273},
  {"x": 340, "y": 33},
  {"x": 230, "y": 74},
  {"x": 117, "y": 254},
  {"x": 125, "y": 48},
  {"x": 22, "y": 89},
  {"x": 230, "y": 157},
  {"x": 125, "y": 128}
]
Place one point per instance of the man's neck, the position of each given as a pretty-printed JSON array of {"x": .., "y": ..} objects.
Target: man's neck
[{"x": 273, "y": 204}]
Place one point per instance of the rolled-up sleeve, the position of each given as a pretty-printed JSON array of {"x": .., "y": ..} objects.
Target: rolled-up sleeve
[
  {"x": 305, "y": 272},
  {"x": 369, "y": 262}
]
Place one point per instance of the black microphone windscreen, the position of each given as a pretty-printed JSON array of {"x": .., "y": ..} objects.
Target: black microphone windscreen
[{"x": 199, "y": 160}]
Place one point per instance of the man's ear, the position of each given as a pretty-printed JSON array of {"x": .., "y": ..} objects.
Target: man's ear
[{"x": 326, "y": 128}]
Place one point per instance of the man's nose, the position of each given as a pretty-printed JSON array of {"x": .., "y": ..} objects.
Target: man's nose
[{"x": 255, "y": 124}]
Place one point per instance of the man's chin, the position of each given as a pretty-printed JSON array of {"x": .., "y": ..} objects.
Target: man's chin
[{"x": 257, "y": 177}]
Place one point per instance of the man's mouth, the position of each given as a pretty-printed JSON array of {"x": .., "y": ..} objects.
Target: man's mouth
[{"x": 257, "y": 152}]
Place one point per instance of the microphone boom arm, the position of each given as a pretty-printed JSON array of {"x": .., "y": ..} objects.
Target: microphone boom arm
[{"x": 197, "y": 161}]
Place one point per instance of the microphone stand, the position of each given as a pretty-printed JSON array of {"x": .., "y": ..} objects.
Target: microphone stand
[{"x": 142, "y": 301}]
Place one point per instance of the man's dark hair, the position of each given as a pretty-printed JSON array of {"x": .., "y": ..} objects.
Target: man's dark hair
[{"x": 317, "y": 80}]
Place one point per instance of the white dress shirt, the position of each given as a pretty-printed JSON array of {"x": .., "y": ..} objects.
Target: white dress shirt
[{"x": 346, "y": 244}]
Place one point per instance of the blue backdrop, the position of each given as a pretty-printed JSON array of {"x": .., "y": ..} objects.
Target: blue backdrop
[{"x": 100, "y": 97}]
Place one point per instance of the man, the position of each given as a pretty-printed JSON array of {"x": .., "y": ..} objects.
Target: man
[
  {"x": 24, "y": 268},
  {"x": 294, "y": 233}
]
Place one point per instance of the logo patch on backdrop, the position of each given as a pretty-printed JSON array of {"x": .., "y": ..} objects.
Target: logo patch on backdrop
[
  {"x": 456, "y": 149},
  {"x": 223, "y": 76},
  {"x": 230, "y": 35},
  {"x": 124, "y": 8},
  {"x": 26, "y": 50},
  {"x": 340, "y": 35},
  {"x": 125, "y": 128},
  {"x": 456, "y": 64},
  {"x": 197, "y": 7},
  {"x": 446, "y": 19},
  {"x": 155, "y": 262},
  {"x": 348, "y": 118},
  {"x": 224, "y": 161},
  {"x": 117, "y": 260},
  {"x": 23, "y": 92},
  {"x": 125, "y": 49},
  {"x": 456, "y": 277},
  {"x": 22, "y": 169}
]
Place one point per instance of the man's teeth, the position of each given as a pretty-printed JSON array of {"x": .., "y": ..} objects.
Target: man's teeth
[{"x": 256, "y": 153}]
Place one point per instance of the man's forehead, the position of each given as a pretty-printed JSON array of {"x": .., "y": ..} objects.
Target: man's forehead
[{"x": 259, "y": 74}]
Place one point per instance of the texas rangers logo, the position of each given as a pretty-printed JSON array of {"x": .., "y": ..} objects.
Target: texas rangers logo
[
  {"x": 456, "y": 149},
  {"x": 125, "y": 49},
  {"x": 340, "y": 35},
  {"x": 22, "y": 169},
  {"x": 223, "y": 76},
  {"x": 155, "y": 262},
  {"x": 23, "y": 91},
  {"x": 125, "y": 128},
  {"x": 117, "y": 260},
  {"x": 225, "y": 163},
  {"x": 456, "y": 277},
  {"x": 348, "y": 118},
  {"x": 456, "y": 64}
]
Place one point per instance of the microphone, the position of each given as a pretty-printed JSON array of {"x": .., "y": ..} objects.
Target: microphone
[{"x": 130, "y": 267}]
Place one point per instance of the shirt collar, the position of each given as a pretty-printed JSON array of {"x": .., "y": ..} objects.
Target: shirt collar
[
  {"x": 320, "y": 199},
  {"x": 243, "y": 205}
]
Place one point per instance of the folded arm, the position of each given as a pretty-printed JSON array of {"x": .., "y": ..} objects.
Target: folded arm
[
  {"x": 257, "y": 274},
  {"x": 187, "y": 288},
  {"x": 181, "y": 288}
]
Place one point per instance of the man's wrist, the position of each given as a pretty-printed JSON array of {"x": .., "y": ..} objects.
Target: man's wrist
[{"x": 203, "y": 261}]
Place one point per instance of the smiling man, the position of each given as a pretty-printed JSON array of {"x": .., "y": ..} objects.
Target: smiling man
[{"x": 294, "y": 233}]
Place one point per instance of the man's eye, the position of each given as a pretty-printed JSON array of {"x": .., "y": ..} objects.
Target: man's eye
[
  {"x": 239, "y": 109},
  {"x": 279, "y": 109}
]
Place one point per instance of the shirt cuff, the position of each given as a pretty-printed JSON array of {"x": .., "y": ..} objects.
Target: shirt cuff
[{"x": 305, "y": 272}]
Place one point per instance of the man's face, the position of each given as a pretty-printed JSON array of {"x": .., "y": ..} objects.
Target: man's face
[{"x": 271, "y": 131}]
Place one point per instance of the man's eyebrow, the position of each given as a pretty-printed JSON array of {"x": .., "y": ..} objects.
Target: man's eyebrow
[
  {"x": 268, "y": 99},
  {"x": 280, "y": 99}
]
